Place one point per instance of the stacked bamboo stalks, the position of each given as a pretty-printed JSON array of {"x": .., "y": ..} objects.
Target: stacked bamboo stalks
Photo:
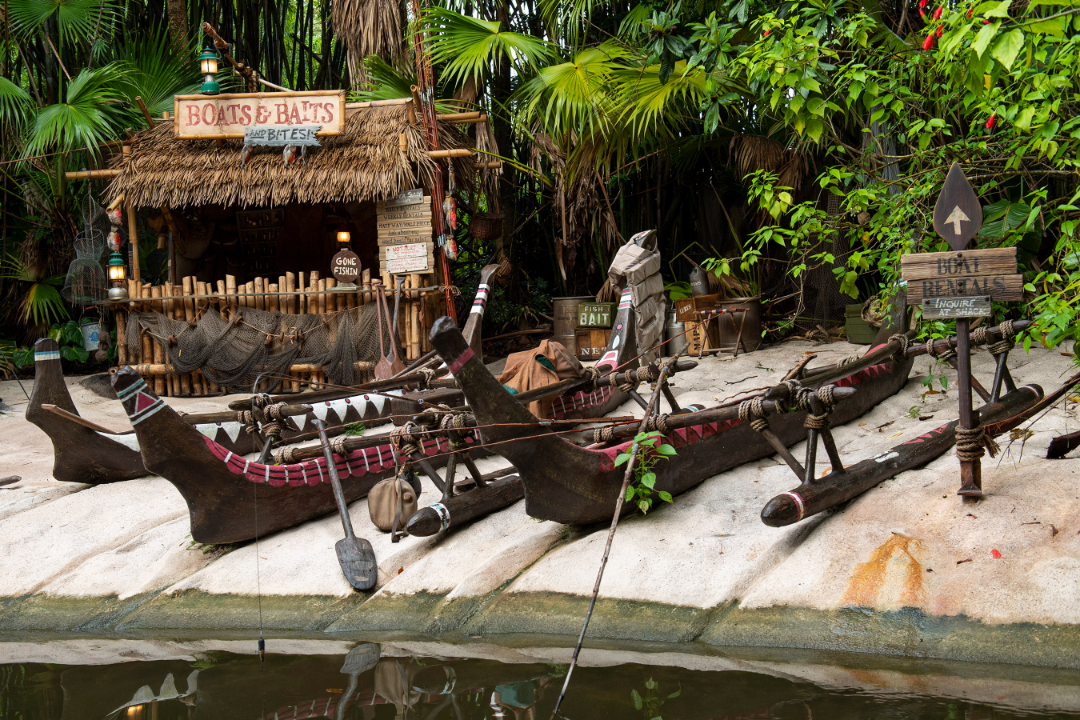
[{"x": 299, "y": 294}]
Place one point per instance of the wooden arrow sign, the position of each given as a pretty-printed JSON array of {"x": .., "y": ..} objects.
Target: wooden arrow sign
[{"x": 958, "y": 214}]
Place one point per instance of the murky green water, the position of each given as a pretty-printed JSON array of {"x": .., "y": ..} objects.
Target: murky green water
[{"x": 384, "y": 681}]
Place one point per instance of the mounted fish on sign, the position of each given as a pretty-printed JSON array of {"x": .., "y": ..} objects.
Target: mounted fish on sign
[{"x": 296, "y": 138}]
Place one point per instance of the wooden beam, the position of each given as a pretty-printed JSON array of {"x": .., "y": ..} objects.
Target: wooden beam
[
  {"x": 416, "y": 100},
  {"x": 463, "y": 118},
  {"x": 377, "y": 103}
]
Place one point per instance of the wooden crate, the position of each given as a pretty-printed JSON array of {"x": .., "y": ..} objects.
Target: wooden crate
[
  {"x": 696, "y": 335},
  {"x": 590, "y": 343},
  {"x": 595, "y": 315},
  {"x": 858, "y": 331},
  {"x": 686, "y": 309}
]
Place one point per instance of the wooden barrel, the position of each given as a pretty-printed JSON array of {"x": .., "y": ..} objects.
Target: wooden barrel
[{"x": 565, "y": 312}]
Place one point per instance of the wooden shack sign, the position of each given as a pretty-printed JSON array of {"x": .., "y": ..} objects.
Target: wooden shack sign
[
  {"x": 345, "y": 266},
  {"x": 405, "y": 230},
  {"x": 970, "y": 273},
  {"x": 202, "y": 117}
]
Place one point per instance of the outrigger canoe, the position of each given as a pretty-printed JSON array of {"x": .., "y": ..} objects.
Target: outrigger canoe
[{"x": 571, "y": 484}]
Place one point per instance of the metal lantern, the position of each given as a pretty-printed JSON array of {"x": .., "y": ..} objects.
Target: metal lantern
[
  {"x": 343, "y": 235},
  {"x": 208, "y": 66},
  {"x": 117, "y": 273}
]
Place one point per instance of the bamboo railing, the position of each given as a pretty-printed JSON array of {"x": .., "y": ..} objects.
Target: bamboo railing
[{"x": 292, "y": 294}]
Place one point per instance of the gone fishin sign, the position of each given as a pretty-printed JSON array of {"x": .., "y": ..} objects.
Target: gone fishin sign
[{"x": 208, "y": 117}]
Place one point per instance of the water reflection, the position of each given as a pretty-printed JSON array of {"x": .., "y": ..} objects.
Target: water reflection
[{"x": 370, "y": 684}]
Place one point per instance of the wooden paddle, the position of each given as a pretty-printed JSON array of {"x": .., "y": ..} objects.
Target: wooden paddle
[
  {"x": 355, "y": 555},
  {"x": 388, "y": 365}
]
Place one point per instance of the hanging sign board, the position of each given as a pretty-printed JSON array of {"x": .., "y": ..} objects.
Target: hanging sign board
[
  {"x": 955, "y": 307},
  {"x": 276, "y": 136},
  {"x": 201, "y": 117},
  {"x": 404, "y": 233},
  {"x": 345, "y": 266}
]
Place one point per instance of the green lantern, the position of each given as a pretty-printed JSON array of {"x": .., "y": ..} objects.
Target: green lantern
[
  {"x": 117, "y": 273},
  {"x": 208, "y": 65}
]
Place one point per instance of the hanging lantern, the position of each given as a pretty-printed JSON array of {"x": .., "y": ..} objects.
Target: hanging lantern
[
  {"x": 208, "y": 66},
  {"x": 117, "y": 274},
  {"x": 343, "y": 235}
]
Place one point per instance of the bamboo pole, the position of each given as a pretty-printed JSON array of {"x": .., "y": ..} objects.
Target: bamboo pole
[
  {"x": 281, "y": 303},
  {"x": 316, "y": 303},
  {"x": 121, "y": 331},
  {"x": 332, "y": 298},
  {"x": 414, "y": 313},
  {"x": 157, "y": 352},
  {"x": 144, "y": 339},
  {"x": 290, "y": 287},
  {"x": 249, "y": 294},
  {"x": 188, "y": 311},
  {"x": 365, "y": 284},
  {"x": 272, "y": 301},
  {"x": 230, "y": 288},
  {"x": 93, "y": 174},
  {"x": 322, "y": 298},
  {"x": 301, "y": 298},
  {"x": 167, "y": 306},
  {"x": 259, "y": 289}
]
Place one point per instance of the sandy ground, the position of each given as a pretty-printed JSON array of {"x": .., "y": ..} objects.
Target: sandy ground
[{"x": 705, "y": 568}]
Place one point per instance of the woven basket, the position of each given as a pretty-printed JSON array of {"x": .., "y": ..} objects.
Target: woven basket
[{"x": 486, "y": 226}]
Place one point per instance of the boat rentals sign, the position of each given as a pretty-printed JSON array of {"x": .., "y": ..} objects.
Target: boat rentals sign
[{"x": 208, "y": 117}]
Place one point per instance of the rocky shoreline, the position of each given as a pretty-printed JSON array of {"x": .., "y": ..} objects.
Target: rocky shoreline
[{"x": 906, "y": 569}]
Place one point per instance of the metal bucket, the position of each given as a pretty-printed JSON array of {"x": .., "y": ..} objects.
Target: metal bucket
[
  {"x": 564, "y": 310},
  {"x": 91, "y": 339},
  {"x": 674, "y": 329}
]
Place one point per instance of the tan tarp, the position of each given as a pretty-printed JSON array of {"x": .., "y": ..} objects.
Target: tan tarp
[
  {"x": 524, "y": 371},
  {"x": 637, "y": 266}
]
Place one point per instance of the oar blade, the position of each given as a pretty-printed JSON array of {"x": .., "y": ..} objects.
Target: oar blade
[{"x": 357, "y": 560}]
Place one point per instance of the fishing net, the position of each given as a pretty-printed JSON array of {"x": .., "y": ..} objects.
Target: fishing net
[
  {"x": 85, "y": 281},
  {"x": 233, "y": 350}
]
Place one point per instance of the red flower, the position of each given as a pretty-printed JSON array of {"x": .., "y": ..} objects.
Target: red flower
[
  {"x": 937, "y": 13},
  {"x": 995, "y": 554},
  {"x": 939, "y": 30},
  {"x": 928, "y": 42},
  {"x": 766, "y": 33},
  {"x": 986, "y": 22},
  {"x": 922, "y": 14},
  {"x": 990, "y": 126},
  {"x": 923, "y": 3},
  {"x": 969, "y": 13}
]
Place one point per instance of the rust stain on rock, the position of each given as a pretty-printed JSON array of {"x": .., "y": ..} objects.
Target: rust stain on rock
[{"x": 893, "y": 576}]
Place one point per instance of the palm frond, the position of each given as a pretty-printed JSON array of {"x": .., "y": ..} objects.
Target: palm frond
[
  {"x": 91, "y": 114},
  {"x": 156, "y": 71},
  {"x": 646, "y": 99},
  {"x": 16, "y": 105},
  {"x": 576, "y": 95},
  {"x": 76, "y": 20},
  {"x": 469, "y": 46},
  {"x": 383, "y": 81}
]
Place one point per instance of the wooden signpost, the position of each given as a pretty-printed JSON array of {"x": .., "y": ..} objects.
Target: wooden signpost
[
  {"x": 960, "y": 285},
  {"x": 345, "y": 267},
  {"x": 405, "y": 245}
]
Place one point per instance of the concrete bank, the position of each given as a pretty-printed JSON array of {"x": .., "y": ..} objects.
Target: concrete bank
[{"x": 905, "y": 569}]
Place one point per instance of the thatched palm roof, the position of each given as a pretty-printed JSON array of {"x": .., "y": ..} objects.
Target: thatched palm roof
[{"x": 363, "y": 163}]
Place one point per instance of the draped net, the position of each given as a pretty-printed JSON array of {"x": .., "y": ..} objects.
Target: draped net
[{"x": 234, "y": 349}]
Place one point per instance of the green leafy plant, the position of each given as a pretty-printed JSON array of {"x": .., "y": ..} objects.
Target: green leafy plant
[
  {"x": 651, "y": 450},
  {"x": 650, "y": 703},
  {"x": 70, "y": 338},
  {"x": 357, "y": 428}
]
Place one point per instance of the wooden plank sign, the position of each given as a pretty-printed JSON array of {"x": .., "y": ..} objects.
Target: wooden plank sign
[
  {"x": 956, "y": 307},
  {"x": 204, "y": 117},
  {"x": 1003, "y": 288},
  {"x": 970, "y": 273},
  {"x": 404, "y": 233},
  {"x": 596, "y": 315}
]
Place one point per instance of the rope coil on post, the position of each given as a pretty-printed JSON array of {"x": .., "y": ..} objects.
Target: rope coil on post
[
  {"x": 945, "y": 355},
  {"x": 904, "y": 341},
  {"x": 971, "y": 443},
  {"x": 404, "y": 439},
  {"x": 1007, "y": 341}
]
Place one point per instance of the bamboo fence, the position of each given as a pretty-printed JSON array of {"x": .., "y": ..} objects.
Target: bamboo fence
[{"x": 292, "y": 294}]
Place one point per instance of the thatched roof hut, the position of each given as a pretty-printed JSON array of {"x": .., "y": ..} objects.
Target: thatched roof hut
[{"x": 364, "y": 163}]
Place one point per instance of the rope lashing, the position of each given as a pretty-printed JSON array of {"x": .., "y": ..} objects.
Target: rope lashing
[
  {"x": 247, "y": 419},
  {"x": 753, "y": 411},
  {"x": 658, "y": 423},
  {"x": 904, "y": 341},
  {"x": 337, "y": 445},
  {"x": 426, "y": 376},
  {"x": 285, "y": 455},
  {"x": 849, "y": 360},
  {"x": 404, "y": 439},
  {"x": 970, "y": 444},
  {"x": 945, "y": 355},
  {"x": 593, "y": 374},
  {"x": 828, "y": 400},
  {"x": 454, "y": 423},
  {"x": 1007, "y": 341}
]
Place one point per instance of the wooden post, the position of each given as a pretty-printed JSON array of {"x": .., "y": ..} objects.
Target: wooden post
[
  {"x": 260, "y": 300},
  {"x": 249, "y": 294},
  {"x": 167, "y": 309},
  {"x": 272, "y": 300},
  {"x": 321, "y": 287},
  {"x": 301, "y": 298},
  {"x": 281, "y": 303},
  {"x": 290, "y": 299},
  {"x": 365, "y": 284},
  {"x": 144, "y": 339},
  {"x": 331, "y": 300}
]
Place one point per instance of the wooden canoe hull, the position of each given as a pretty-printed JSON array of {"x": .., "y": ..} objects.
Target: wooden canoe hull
[
  {"x": 80, "y": 454},
  {"x": 231, "y": 499},
  {"x": 570, "y": 484}
]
